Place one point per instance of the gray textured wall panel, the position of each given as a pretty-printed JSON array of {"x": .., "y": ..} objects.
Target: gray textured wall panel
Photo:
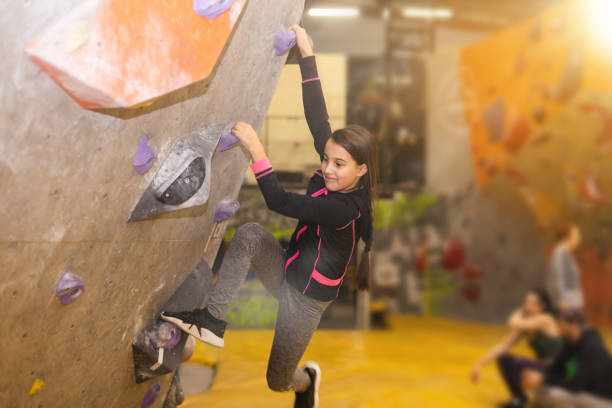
[{"x": 69, "y": 187}]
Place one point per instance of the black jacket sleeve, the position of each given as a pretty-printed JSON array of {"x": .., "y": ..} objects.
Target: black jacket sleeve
[
  {"x": 315, "y": 109},
  {"x": 333, "y": 210}
]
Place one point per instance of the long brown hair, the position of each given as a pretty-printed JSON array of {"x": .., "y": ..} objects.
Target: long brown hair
[{"x": 361, "y": 145}]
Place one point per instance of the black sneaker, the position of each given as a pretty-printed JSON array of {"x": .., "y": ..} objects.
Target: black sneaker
[
  {"x": 310, "y": 397},
  {"x": 200, "y": 324}
]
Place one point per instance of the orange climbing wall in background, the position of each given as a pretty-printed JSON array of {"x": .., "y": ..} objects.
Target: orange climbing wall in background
[
  {"x": 534, "y": 68},
  {"x": 116, "y": 54},
  {"x": 538, "y": 105}
]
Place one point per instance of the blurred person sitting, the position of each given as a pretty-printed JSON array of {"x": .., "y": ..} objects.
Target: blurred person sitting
[
  {"x": 581, "y": 375},
  {"x": 564, "y": 279},
  {"x": 535, "y": 321}
]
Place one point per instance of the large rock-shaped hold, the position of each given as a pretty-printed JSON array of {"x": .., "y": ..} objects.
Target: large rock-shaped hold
[
  {"x": 183, "y": 181},
  {"x": 118, "y": 54}
]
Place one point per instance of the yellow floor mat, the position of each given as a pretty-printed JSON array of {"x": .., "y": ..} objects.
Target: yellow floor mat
[{"x": 419, "y": 362}]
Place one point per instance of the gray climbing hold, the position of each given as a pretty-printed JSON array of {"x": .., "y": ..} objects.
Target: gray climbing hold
[
  {"x": 145, "y": 156},
  {"x": 494, "y": 117},
  {"x": 69, "y": 288},
  {"x": 211, "y": 8}
]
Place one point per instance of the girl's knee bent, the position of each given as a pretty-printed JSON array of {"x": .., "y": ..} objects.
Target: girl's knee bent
[
  {"x": 249, "y": 230},
  {"x": 278, "y": 384}
]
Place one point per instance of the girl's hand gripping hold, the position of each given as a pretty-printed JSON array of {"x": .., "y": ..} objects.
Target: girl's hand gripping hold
[
  {"x": 248, "y": 137},
  {"x": 302, "y": 41}
]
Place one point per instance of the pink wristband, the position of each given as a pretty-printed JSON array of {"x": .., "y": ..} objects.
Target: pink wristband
[{"x": 261, "y": 165}]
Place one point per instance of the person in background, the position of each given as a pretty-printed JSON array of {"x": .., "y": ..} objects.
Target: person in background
[
  {"x": 534, "y": 321},
  {"x": 564, "y": 273},
  {"x": 581, "y": 375}
]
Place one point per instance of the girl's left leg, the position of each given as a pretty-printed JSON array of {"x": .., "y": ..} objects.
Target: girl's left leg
[
  {"x": 511, "y": 368},
  {"x": 298, "y": 318}
]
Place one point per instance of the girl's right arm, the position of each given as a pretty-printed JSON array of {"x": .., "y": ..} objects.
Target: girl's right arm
[
  {"x": 315, "y": 109},
  {"x": 518, "y": 321},
  {"x": 495, "y": 352}
]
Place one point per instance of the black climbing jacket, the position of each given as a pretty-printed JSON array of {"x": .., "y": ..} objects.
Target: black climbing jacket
[
  {"x": 585, "y": 366},
  {"x": 330, "y": 223}
]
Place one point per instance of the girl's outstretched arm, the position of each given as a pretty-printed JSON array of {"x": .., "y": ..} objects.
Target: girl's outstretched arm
[
  {"x": 315, "y": 109},
  {"x": 495, "y": 352},
  {"x": 332, "y": 211}
]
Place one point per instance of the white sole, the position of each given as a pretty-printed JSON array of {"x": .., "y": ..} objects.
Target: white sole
[
  {"x": 314, "y": 366},
  {"x": 204, "y": 334}
]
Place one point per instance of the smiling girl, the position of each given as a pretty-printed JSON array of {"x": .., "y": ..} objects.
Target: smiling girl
[{"x": 333, "y": 215}]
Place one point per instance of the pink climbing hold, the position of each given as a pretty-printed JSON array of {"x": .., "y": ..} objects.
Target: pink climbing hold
[
  {"x": 453, "y": 253},
  {"x": 167, "y": 336},
  {"x": 226, "y": 209},
  {"x": 227, "y": 140},
  {"x": 151, "y": 395},
  {"x": 284, "y": 40},
  {"x": 69, "y": 288},
  {"x": 145, "y": 156},
  {"x": 471, "y": 292},
  {"x": 211, "y": 8}
]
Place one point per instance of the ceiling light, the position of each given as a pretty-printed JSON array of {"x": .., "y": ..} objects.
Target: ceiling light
[
  {"x": 426, "y": 12},
  {"x": 334, "y": 12}
]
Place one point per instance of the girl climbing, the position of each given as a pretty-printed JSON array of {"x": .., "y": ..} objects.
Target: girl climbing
[{"x": 333, "y": 215}]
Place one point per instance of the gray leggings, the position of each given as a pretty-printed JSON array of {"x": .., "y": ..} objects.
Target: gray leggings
[{"x": 298, "y": 315}]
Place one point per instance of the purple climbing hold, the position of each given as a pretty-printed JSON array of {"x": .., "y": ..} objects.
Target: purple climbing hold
[
  {"x": 151, "y": 395},
  {"x": 226, "y": 209},
  {"x": 167, "y": 336},
  {"x": 284, "y": 40},
  {"x": 69, "y": 288},
  {"x": 227, "y": 140},
  {"x": 145, "y": 156},
  {"x": 211, "y": 8}
]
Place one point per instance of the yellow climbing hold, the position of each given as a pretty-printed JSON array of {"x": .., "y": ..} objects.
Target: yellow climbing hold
[{"x": 38, "y": 384}]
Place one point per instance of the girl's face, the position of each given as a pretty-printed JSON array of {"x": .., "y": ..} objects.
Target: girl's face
[
  {"x": 340, "y": 171},
  {"x": 532, "y": 305}
]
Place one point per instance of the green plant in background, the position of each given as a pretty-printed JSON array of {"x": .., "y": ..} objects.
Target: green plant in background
[
  {"x": 399, "y": 214},
  {"x": 402, "y": 211},
  {"x": 442, "y": 283},
  {"x": 253, "y": 307},
  {"x": 278, "y": 234}
]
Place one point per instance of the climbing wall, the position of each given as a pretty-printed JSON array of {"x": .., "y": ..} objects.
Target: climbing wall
[
  {"x": 537, "y": 108},
  {"x": 69, "y": 187}
]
